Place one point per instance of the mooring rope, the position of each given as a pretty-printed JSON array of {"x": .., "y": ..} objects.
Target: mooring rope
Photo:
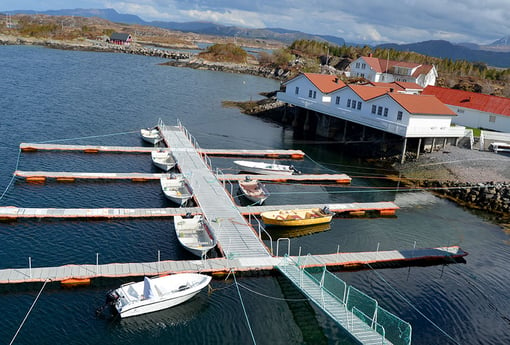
[
  {"x": 272, "y": 297},
  {"x": 13, "y": 176},
  {"x": 412, "y": 305},
  {"x": 88, "y": 137},
  {"x": 28, "y": 313},
  {"x": 244, "y": 309}
]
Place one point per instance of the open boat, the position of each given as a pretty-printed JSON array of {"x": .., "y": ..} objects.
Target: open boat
[
  {"x": 253, "y": 190},
  {"x": 176, "y": 188},
  {"x": 193, "y": 234},
  {"x": 297, "y": 217},
  {"x": 163, "y": 159},
  {"x": 150, "y": 135},
  {"x": 153, "y": 294},
  {"x": 265, "y": 168}
]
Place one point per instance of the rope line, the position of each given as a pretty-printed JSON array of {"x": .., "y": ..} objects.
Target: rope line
[
  {"x": 29, "y": 311},
  {"x": 244, "y": 309},
  {"x": 88, "y": 137},
  {"x": 13, "y": 176},
  {"x": 412, "y": 305}
]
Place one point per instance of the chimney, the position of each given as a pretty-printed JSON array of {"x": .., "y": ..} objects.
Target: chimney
[
  {"x": 336, "y": 80},
  {"x": 391, "y": 89}
]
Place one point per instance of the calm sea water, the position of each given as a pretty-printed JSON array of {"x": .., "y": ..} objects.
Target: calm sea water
[{"x": 99, "y": 98}]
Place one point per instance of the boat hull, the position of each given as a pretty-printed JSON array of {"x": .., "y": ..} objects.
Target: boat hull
[
  {"x": 193, "y": 234},
  {"x": 164, "y": 160},
  {"x": 150, "y": 135},
  {"x": 176, "y": 190},
  {"x": 254, "y": 191},
  {"x": 264, "y": 168},
  {"x": 167, "y": 292},
  {"x": 301, "y": 217}
]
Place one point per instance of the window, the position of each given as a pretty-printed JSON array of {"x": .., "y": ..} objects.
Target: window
[
  {"x": 460, "y": 111},
  {"x": 359, "y": 105},
  {"x": 315, "y": 94},
  {"x": 310, "y": 93},
  {"x": 399, "y": 116},
  {"x": 357, "y": 64},
  {"x": 337, "y": 100},
  {"x": 349, "y": 103},
  {"x": 363, "y": 66},
  {"x": 374, "y": 109},
  {"x": 297, "y": 90},
  {"x": 386, "y": 112},
  {"x": 492, "y": 118},
  {"x": 379, "y": 110},
  {"x": 353, "y": 104}
]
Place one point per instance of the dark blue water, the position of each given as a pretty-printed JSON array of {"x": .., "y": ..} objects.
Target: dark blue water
[{"x": 99, "y": 98}]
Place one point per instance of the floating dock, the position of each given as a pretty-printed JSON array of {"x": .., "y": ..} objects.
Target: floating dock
[
  {"x": 33, "y": 147},
  {"x": 224, "y": 265},
  {"x": 9, "y": 213}
]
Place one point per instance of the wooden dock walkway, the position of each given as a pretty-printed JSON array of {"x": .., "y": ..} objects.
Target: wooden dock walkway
[
  {"x": 222, "y": 265},
  {"x": 32, "y": 147},
  {"x": 13, "y": 213},
  {"x": 68, "y": 176}
]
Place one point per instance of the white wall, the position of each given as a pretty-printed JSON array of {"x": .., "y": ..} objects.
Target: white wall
[{"x": 480, "y": 119}]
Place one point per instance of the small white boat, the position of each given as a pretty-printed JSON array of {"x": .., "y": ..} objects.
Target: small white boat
[
  {"x": 265, "y": 168},
  {"x": 163, "y": 159},
  {"x": 153, "y": 294},
  {"x": 176, "y": 188},
  {"x": 253, "y": 190},
  {"x": 499, "y": 147},
  {"x": 193, "y": 234},
  {"x": 151, "y": 135}
]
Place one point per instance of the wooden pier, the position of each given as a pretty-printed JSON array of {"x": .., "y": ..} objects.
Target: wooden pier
[
  {"x": 224, "y": 265},
  {"x": 66, "y": 176},
  {"x": 9, "y": 213},
  {"x": 33, "y": 147}
]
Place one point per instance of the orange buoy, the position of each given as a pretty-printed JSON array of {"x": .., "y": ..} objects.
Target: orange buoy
[
  {"x": 272, "y": 155},
  {"x": 357, "y": 213},
  {"x": 139, "y": 179},
  {"x": 91, "y": 150},
  {"x": 344, "y": 181},
  {"x": 73, "y": 282},
  {"x": 388, "y": 212},
  {"x": 66, "y": 179},
  {"x": 296, "y": 155},
  {"x": 28, "y": 149},
  {"x": 36, "y": 179}
]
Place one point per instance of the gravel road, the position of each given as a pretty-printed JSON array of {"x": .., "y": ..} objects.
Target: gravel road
[{"x": 459, "y": 164}]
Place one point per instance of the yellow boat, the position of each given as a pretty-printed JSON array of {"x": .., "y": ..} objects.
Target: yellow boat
[{"x": 297, "y": 217}]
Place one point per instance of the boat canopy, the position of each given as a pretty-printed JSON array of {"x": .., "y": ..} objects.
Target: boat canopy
[{"x": 148, "y": 289}]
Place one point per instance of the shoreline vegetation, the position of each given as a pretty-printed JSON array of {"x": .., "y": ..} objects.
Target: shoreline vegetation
[{"x": 473, "y": 183}]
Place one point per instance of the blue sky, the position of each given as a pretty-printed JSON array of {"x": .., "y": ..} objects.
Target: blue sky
[{"x": 369, "y": 21}]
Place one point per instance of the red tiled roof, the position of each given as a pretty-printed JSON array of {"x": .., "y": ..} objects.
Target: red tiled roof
[
  {"x": 395, "y": 86},
  {"x": 472, "y": 100},
  {"x": 421, "y": 104},
  {"x": 368, "y": 92},
  {"x": 324, "y": 82},
  {"x": 408, "y": 85},
  {"x": 383, "y": 66}
]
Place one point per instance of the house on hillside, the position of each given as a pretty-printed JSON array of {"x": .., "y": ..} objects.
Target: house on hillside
[
  {"x": 386, "y": 110},
  {"x": 120, "y": 38},
  {"x": 387, "y": 71},
  {"x": 475, "y": 110}
]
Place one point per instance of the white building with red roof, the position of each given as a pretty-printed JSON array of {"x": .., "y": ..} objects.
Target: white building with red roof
[
  {"x": 383, "y": 107},
  {"x": 475, "y": 110},
  {"x": 388, "y": 71}
]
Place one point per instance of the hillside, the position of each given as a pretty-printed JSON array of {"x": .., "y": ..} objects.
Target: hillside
[{"x": 445, "y": 49}]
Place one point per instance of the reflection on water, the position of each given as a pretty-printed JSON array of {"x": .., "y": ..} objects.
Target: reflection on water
[{"x": 277, "y": 232}]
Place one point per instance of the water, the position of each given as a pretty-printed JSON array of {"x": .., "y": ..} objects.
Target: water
[{"x": 103, "y": 98}]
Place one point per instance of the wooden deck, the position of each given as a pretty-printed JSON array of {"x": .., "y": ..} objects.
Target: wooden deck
[
  {"x": 68, "y": 176},
  {"x": 12, "y": 213},
  {"x": 221, "y": 265},
  {"x": 32, "y": 147}
]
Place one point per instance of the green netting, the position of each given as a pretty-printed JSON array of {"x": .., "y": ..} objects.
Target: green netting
[
  {"x": 398, "y": 331},
  {"x": 367, "y": 305},
  {"x": 335, "y": 286}
]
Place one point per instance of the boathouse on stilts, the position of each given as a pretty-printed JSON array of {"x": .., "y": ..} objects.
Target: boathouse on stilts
[{"x": 382, "y": 119}]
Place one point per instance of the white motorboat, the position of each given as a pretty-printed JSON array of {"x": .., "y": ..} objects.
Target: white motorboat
[
  {"x": 265, "y": 168},
  {"x": 151, "y": 135},
  {"x": 254, "y": 190},
  {"x": 153, "y": 294},
  {"x": 163, "y": 159},
  {"x": 194, "y": 234},
  {"x": 176, "y": 188}
]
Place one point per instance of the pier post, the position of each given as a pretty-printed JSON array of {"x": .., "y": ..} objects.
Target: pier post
[
  {"x": 30, "y": 266},
  {"x": 418, "y": 150},
  {"x": 403, "y": 158},
  {"x": 97, "y": 263}
]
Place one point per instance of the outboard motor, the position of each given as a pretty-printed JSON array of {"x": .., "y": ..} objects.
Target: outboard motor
[
  {"x": 188, "y": 215},
  {"x": 111, "y": 298},
  {"x": 326, "y": 210}
]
